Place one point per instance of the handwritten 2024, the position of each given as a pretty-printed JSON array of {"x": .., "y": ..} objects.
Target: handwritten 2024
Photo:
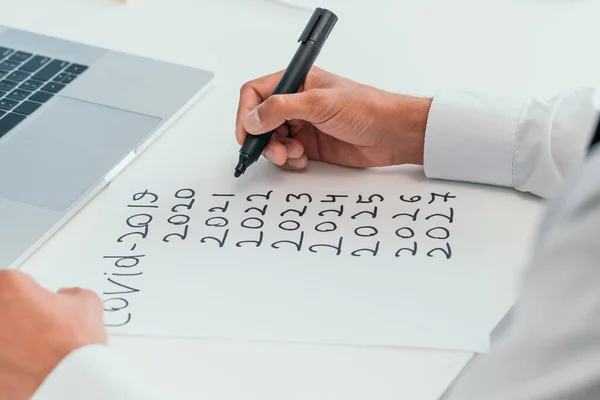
[{"x": 286, "y": 221}]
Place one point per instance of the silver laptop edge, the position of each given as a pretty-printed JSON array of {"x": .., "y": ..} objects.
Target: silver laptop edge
[{"x": 63, "y": 154}]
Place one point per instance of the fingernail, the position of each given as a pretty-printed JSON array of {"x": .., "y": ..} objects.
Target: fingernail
[
  {"x": 296, "y": 163},
  {"x": 252, "y": 122},
  {"x": 291, "y": 151}
]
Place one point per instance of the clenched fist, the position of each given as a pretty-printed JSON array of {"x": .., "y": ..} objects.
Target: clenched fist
[{"x": 38, "y": 328}]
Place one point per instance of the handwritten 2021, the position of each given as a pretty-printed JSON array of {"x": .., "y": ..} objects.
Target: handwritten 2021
[
  {"x": 339, "y": 224},
  {"x": 289, "y": 228}
]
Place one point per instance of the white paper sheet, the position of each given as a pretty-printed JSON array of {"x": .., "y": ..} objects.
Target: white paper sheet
[{"x": 246, "y": 259}]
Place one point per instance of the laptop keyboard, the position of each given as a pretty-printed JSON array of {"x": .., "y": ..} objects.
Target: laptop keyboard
[{"x": 27, "y": 81}]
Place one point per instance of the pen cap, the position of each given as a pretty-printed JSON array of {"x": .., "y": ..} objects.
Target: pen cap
[{"x": 319, "y": 26}]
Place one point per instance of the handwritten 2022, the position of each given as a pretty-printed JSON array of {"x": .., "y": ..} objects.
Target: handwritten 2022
[{"x": 306, "y": 222}]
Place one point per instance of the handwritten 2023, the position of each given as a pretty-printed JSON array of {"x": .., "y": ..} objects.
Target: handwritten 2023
[
  {"x": 224, "y": 224},
  {"x": 294, "y": 232}
]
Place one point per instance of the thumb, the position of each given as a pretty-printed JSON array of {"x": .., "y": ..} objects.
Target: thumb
[
  {"x": 82, "y": 295},
  {"x": 278, "y": 109},
  {"x": 74, "y": 291},
  {"x": 82, "y": 299}
]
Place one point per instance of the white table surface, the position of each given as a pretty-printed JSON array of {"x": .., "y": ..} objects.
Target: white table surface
[{"x": 503, "y": 47}]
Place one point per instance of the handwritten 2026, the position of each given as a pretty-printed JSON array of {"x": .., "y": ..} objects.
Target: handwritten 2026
[{"x": 307, "y": 223}]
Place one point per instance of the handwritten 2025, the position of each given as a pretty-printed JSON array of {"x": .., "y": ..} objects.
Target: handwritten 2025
[{"x": 219, "y": 222}]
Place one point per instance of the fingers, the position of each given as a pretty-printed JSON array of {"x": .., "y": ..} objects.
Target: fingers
[
  {"x": 83, "y": 297},
  {"x": 297, "y": 158},
  {"x": 255, "y": 92},
  {"x": 286, "y": 153},
  {"x": 85, "y": 302},
  {"x": 85, "y": 311},
  {"x": 294, "y": 148},
  {"x": 278, "y": 150},
  {"x": 278, "y": 109},
  {"x": 296, "y": 163},
  {"x": 73, "y": 291},
  {"x": 79, "y": 293},
  {"x": 251, "y": 95},
  {"x": 275, "y": 151}
]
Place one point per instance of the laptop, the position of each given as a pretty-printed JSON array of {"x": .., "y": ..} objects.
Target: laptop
[{"x": 72, "y": 116}]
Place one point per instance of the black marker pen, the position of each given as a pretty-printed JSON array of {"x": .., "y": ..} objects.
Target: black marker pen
[{"x": 311, "y": 41}]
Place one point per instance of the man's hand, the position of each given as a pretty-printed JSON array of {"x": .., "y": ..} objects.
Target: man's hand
[
  {"x": 335, "y": 120},
  {"x": 38, "y": 328}
]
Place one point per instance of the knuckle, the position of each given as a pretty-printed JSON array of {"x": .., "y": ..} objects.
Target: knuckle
[
  {"x": 13, "y": 279},
  {"x": 274, "y": 104},
  {"x": 277, "y": 102},
  {"x": 313, "y": 78},
  {"x": 318, "y": 78},
  {"x": 245, "y": 87},
  {"x": 318, "y": 107},
  {"x": 313, "y": 97}
]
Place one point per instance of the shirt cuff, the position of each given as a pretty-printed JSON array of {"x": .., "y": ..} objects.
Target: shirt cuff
[
  {"x": 93, "y": 373},
  {"x": 471, "y": 137}
]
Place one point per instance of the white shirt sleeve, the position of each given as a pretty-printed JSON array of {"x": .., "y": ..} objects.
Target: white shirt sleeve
[
  {"x": 94, "y": 373},
  {"x": 550, "y": 348},
  {"x": 524, "y": 143}
]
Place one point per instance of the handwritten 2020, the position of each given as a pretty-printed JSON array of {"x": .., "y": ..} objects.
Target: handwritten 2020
[{"x": 359, "y": 225}]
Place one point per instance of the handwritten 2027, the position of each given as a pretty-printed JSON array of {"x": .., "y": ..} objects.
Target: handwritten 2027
[
  {"x": 289, "y": 228},
  {"x": 263, "y": 223}
]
